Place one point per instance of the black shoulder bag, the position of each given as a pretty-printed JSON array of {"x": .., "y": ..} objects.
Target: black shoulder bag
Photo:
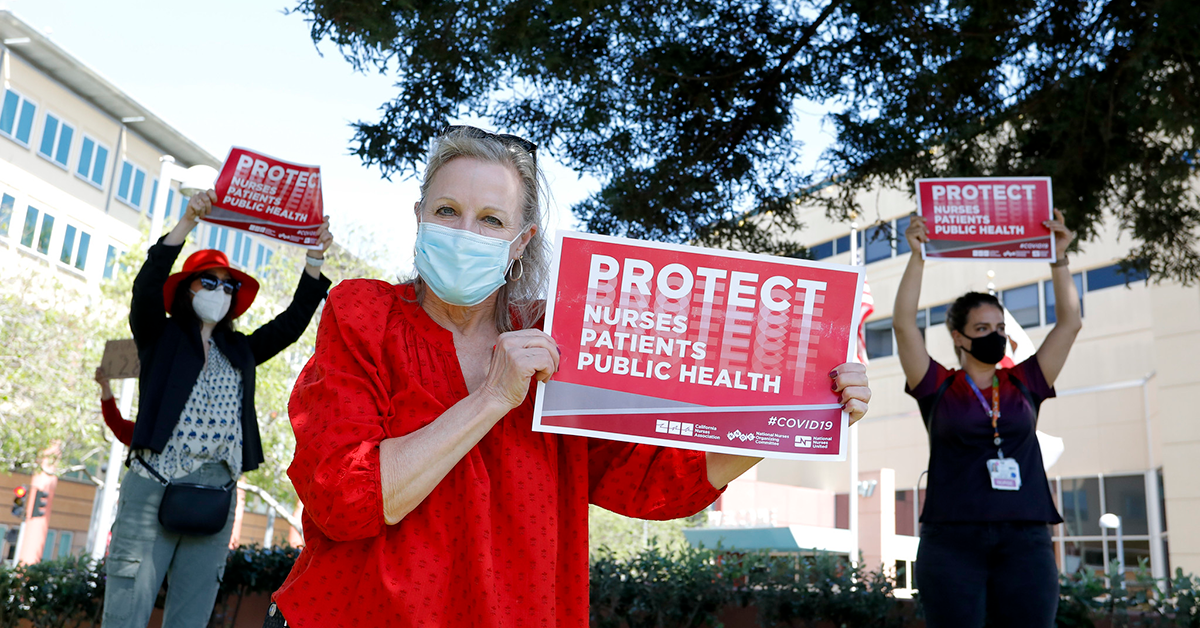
[{"x": 192, "y": 509}]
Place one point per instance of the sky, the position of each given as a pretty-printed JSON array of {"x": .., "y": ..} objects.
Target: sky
[{"x": 243, "y": 73}]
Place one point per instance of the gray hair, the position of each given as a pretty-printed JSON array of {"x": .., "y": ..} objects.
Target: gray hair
[{"x": 520, "y": 302}]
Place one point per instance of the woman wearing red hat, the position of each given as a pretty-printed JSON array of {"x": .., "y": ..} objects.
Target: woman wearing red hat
[{"x": 196, "y": 430}]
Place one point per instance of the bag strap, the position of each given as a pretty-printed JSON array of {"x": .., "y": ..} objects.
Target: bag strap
[
  {"x": 157, "y": 476},
  {"x": 165, "y": 482},
  {"x": 937, "y": 400},
  {"x": 1028, "y": 395}
]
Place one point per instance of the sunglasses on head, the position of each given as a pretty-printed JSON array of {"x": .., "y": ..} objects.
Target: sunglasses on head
[
  {"x": 212, "y": 282},
  {"x": 505, "y": 138}
]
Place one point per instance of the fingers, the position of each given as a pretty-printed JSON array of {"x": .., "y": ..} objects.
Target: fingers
[
  {"x": 518, "y": 357},
  {"x": 201, "y": 204},
  {"x": 850, "y": 381},
  {"x": 100, "y": 376},
  {"x": 917, "y": 230},
  {"x": 848, "y": 374},
  {"x": 324, "y": 237},
  {"x": 856, "y": 409},
  {"x": 532, "y": 345}
]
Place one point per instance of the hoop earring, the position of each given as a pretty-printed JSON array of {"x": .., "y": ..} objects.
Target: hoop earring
[{"x": 519, "y": 264}]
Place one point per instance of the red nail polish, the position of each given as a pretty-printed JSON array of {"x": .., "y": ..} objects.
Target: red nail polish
[
  {"x": 833, "y": 386},
  {"x": 832, "y": 374}
]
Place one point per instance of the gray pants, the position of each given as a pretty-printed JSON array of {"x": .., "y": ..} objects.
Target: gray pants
[{"x": 142, "y": 553}]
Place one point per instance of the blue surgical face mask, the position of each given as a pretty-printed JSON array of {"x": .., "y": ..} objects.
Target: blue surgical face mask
[{"x": 461, "y": 267}]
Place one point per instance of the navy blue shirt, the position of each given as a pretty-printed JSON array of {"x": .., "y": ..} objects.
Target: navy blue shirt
[{"x": 959, "y": 487}]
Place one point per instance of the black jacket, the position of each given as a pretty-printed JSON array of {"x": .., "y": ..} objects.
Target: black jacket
[{"x": 172, "y": 353}]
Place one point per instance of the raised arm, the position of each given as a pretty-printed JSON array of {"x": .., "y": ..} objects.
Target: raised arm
[
  {"x": 914, "y": 359},
  {"x": 1052, "y": 355}
]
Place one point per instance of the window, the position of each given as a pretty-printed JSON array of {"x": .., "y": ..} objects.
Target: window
[
  {"x": 56, "y": 140},
  {"x": 841, "y": 245},
  {"x": 64, "y": 543},
  {"x": 879, "y": 338},
  {"x": 133, "y": 179},
  {"x": 1081, "y": 506},
  {"x": 258, "y": 261},
  {"x": 49, "y": 547},
  {"x": 112, "y": 262},
  {"x": 42, "y": 242},
  {"x": 822, "y": 250},
  {"x": 1048, "y": 289},
  {"x": 16, "y": 117},
  {"x": 93, "y": 158},
  {"x": 242, "y": 243},
  {"x": 30, "y": 229},
  {"x": 183, "y": 202},
  {"x": 878, "y": 242},
  {"x": 1125, "y": 496},
  {"x": 237, "y": 248},
  {"x": 153, "y": 198},
  {"x": 1109, "y": 276},
  {"x": 901, "y": 241},
  {"x": 922, "y": 317},
  {"x": 1023, "y": 303},
  {"x": 6, "y": 212},
  {"x": 75, "y": 247},
  {"x": 937, "y": 314}
]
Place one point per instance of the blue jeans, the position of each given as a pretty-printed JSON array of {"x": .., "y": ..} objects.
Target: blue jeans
[{"x": 999, "y": 575}]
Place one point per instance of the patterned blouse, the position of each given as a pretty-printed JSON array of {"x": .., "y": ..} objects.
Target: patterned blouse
[{"x": 210, "y": 426}]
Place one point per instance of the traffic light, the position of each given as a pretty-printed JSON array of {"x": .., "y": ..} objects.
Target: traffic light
[
  {"x": 39, "y": 503},
  {"x": 18, "y": 509}
]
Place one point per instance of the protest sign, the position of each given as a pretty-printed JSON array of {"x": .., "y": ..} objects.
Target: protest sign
[
  {"x": 120, "y": 359},
  {"x": 698, "y": 348},
  {"x": 269, "y": 197},
  {"x": 987, "y": 218}
]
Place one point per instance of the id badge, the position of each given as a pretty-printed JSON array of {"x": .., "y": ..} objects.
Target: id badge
[{"x": 1005, "y": 474}]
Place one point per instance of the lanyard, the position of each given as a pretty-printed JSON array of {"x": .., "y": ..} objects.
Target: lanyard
[{"x": 993, "y": 411}]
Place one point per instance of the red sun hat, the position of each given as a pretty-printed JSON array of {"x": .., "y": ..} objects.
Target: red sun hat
[{"x": 208, "y": 259}]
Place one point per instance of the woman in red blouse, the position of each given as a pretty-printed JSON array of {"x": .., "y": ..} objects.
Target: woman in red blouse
[{"x": 429, "y": 500}]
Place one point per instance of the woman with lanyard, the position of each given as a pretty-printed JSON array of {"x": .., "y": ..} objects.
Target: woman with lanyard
[
  {"x": 196, "y": 430},
  {"x": 985, "y": 554}
]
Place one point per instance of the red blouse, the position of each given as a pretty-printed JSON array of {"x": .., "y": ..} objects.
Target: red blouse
[{"x": 501, "y": 541}]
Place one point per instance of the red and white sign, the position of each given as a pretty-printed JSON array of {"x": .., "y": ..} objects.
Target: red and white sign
[
  {"x": 269, "y": 197},
  {"x": 987, "y": 218},
  {"x": 698, "y": 348}
]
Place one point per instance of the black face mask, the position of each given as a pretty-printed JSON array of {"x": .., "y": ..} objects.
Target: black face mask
[{"x": 988, "y": 349}]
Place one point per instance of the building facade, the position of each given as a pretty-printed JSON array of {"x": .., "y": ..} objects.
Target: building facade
[
  {"x": 80, "y": 162},
  {"x": 1128, "y": 406}
]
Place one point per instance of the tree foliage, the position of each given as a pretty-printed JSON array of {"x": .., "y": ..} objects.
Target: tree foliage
[{"x": 685, "y": 110}]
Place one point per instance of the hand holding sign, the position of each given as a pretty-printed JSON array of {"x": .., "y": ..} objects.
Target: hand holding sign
[
  {"x": 520, "y": 356},
  {"x": 1062, "y": 235},
  {"x": 200, "y": 205},
  {"x": 712, "y": 350},
  {"x": 987, "y": 218},
  {"x": 269, "y": 197}
]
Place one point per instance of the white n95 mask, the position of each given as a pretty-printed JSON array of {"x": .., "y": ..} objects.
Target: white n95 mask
[{"x": 211, "y": 305}]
